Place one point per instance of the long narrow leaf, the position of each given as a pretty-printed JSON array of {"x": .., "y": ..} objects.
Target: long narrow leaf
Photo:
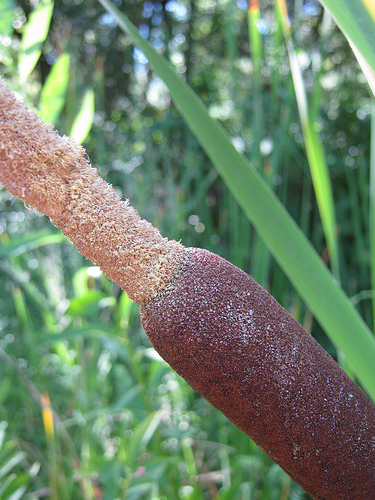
[
  {"x": 34, "y": 35},
  {"x": 83, "y": 121},
  {"x": 372, "y": 208},
  {"x": 260, "y": 254},
  {"x": 286, "y": 241},
  {"x": 6, "y": 17},
  {"x": 314, "y": 148},
  {"x": 18, "y": 246},
  {"x": 53, "y": 95},
  {"x": 254, "y": 35},
  {"x": 356, "y": 19}
]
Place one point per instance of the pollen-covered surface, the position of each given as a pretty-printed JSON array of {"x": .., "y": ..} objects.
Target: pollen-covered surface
[
  {"x": 235, "y": 345},
  {"x": 51, "y": 174}
]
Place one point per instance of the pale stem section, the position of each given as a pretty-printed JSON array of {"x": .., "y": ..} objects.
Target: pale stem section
[{"x": 51, "y": 174}]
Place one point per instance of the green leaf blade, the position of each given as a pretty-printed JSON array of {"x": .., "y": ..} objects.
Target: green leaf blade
[
  {"x": 83, "y": 122},
  {"x": 37, "y": 239},
  {"x": 357, "y": 23},
  {"x": 6, "y": 17},
  {"x": 34, "y": 35},
  {"x": 53, "y": 95}
]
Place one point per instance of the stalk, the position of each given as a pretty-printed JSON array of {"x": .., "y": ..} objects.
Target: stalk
[{"x": 51, "y": 174}]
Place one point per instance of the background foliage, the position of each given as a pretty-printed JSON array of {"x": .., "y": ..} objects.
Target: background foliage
[{"x": 124, "y": 425}]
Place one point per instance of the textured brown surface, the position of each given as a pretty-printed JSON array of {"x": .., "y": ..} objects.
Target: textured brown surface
[
  {"x": 235, "y": 345},
  {"x": 51, "y": 174}
]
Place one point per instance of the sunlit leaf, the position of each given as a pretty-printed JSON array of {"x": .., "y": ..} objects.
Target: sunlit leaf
[
  {"x": 141, "y": 436},
  {"x": 6, "y": 16},
  {"x": 34, "y": 34},
  {"x": 18, "y": 246},
  {"x": 83, "y": 121},
  {"x": 53, "y": 95},
  {"x": 356, "y": 19},
  {"x": 88, "y": 303}
]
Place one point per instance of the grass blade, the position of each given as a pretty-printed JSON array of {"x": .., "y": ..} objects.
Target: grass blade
[
  {"x": 6, "y": 17},
  {"x": 53, "y": 95},
  {"x": 34, "y": 35},
  {"x": 260, "y": 254},
  {"x": 18, "y": 246},
  {"x": 83, "y": 121},
  {"x": 286, "y": 241},
  {"x": 372, "y": 208},
  {"x": 356, "y": 19},
  {"x": 254, "y": 35},
  {"x": 314, "y": 148}
]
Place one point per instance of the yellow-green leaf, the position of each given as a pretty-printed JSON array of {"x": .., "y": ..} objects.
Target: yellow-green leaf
[
  {"x": 83, "y": 121},
  {"x": 53, "y": 95},
  {"x": 34, "y": 34}
]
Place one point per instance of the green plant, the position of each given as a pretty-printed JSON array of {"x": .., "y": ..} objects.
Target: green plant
[{"x": 15, "y": 471}]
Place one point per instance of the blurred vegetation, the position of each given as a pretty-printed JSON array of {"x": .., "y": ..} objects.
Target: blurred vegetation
[{"x": 124, "y": 425}]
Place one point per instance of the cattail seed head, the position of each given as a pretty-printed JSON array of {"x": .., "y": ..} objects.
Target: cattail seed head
[{"x": 51, "y": 174}]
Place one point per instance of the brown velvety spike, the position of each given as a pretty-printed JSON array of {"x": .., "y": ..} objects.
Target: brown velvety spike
[{"x": 235, "y": 345}]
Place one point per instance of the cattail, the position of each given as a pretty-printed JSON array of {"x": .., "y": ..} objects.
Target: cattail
[
  {"x": 51, "y": 174},
  {"x": 220, "y": 330}
]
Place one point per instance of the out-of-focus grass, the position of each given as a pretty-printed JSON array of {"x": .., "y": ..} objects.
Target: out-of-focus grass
[{"x": 125, "y": 426}]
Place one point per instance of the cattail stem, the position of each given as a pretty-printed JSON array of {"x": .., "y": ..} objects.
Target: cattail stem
[{"x": 51, "y": 174}]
